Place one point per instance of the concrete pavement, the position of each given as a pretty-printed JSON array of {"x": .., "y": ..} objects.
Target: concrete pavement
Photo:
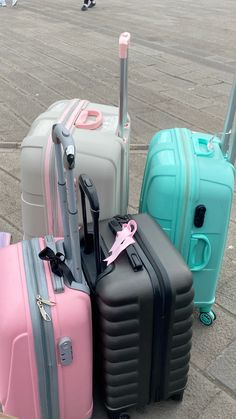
[{"x": 182, "y": 61}]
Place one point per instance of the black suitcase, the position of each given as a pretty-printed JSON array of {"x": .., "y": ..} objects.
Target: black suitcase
[{"x": 143, "y": 305}]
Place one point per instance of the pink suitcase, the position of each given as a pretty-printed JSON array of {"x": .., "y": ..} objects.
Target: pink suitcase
[{"x": 46, "y": 327}]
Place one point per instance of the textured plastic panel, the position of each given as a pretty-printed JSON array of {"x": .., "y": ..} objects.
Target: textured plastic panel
[
  {"x": 176, "y": 372},
  {"x": 125, "y": 312},
  {"x": 176, "y": 340},
  {"x": 71, "y": 316},
  {"x": 123, "y": 319},
  {"x": 186, "y": 170},
  {"x": 100, "y": 153}
]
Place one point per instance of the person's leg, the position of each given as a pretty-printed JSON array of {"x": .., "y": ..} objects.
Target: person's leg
[
  {"x": 85, "y": 5},
  {"x": 14, "y": 3},
  {"x": 92, "y": 3}
]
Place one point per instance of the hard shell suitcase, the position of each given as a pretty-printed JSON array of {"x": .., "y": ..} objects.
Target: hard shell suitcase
[
  {"x": 188, "y": 188},
  {"x": 142, "y": 308},
  {"x": 102, "y": 136},
  {"x": 46, "y": 325}
]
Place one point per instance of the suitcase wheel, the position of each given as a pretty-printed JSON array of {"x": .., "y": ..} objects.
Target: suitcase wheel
[
  {"x": 178, "y": 397},
  {"x": 112, "y": 415},
  {"x": 207, "y": 318}
]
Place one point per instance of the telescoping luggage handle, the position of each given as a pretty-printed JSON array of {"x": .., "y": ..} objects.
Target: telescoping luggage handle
[
  {"x": 61, "y": 135},
  {"x": 124, "y": 42},
  {"x": 87, "y": 189},
  {"x": 229, "y": 132},
  {"x": 85, "y": 122}
]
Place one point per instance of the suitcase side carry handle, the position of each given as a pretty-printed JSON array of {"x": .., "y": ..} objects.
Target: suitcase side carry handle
[
  {"x": 228, "y": 139},
  {"x": 87, "y": 189},
  {"x": 124, "y": 42},
  {"x": 62, "y": 136},
  {"x": 206, "y": 253},
  {"x": 202, "y": 147}
]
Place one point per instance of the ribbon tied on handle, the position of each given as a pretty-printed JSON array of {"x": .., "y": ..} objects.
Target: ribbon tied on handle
[
  {"x": 123, "y": 239},
  {"x": 57, "y": 263}
]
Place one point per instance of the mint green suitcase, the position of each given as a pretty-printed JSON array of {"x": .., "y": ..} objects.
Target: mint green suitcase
[{"x": 188, "y": 188}]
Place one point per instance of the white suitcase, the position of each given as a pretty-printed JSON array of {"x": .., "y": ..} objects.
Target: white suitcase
[{"x": 102, "y": 137}]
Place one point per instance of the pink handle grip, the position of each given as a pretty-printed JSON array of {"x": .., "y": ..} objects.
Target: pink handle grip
[
  {"x": 83, "y": 122},
  {"x": 5, "y": 239},
  {"x": 124, "y": 42}
]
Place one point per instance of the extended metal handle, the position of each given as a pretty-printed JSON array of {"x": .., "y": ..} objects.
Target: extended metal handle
[
  {"x": 232, "y": 148},
  {"x": 87, "y": 189},
  {"x": 228, "y": 138},
  {"x": 124, "y": 42},
  {"x": 61, "y": 135}
]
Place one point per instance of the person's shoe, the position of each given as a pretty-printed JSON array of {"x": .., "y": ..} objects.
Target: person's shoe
[
  {"x": 14, "y": 3},
  {"x": 3, "y": 3},
  {"x": 92, "y": 3},
  {"x": 84, "y": 7}
]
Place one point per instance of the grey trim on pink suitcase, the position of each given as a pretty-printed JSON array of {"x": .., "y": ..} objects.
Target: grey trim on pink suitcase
[
  {"x": 44, "y": 341},
  {"x": 57, "y": 281}
]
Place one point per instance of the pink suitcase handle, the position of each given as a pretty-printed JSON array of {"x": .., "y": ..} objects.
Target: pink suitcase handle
[
  {"x": 124, "y": 42},
  {"x": 5, "y": 239},
  {"x": 83, "y": 119}
]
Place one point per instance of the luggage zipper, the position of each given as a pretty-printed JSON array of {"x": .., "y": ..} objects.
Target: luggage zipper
[
  {"x": 160, "y": 333},
  {"x": 40, "y": 302},
  {"x": 43, "y": 332},
  {"x": 186, "y": 199}
]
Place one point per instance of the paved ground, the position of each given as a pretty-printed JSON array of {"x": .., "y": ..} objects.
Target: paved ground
[{"x": 182, "y": 61}]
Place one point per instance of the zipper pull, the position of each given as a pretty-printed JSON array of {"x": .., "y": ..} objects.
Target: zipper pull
[
  {"x": 40, "y": 302},
  {"x": 43, "y": 301}
]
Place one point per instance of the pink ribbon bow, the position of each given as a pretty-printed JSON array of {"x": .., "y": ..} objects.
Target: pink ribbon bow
[{"x": 123, "y": 239}]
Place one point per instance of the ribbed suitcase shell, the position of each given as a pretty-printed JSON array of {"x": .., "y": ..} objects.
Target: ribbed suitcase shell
[
  {"x": 24, "y": 390},
  {"x": 100, "y": 153},
  {"x": 143, "y": 358},
  {"x": 184, "y": 171}
]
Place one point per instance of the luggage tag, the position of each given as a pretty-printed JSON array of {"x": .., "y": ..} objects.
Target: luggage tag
[
  {"x": 210, "y": 145},
  {"x": 124, "y": 238}
]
